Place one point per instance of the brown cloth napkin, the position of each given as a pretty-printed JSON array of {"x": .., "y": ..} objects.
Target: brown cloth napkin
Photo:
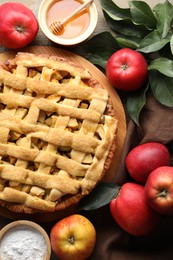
[{"x": 113, "y": 243}]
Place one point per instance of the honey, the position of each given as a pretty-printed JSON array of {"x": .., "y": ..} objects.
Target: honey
[{"x": 76, "y": 25}]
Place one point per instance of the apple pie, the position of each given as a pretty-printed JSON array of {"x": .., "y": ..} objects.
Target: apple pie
[{"x": 57, "y": 133}]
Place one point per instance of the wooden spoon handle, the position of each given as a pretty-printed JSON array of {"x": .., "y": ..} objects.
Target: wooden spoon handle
[{"x": 80, "y": 8}]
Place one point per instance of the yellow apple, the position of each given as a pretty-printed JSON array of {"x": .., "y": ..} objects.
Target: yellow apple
[{"x": 73, "y": 238}]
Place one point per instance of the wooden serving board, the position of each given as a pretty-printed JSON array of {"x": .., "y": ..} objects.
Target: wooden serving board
[{"x": 97, "y": 74}]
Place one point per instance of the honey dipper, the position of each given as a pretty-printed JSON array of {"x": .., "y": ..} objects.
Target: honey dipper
[{"x": 58, "y": 26}]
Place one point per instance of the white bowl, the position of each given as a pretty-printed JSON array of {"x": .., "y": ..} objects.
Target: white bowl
[
  {"x": 16, "y": 232},
  {"x": 42, "y": 14}
]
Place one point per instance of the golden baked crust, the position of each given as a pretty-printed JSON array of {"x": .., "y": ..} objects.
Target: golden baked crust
[{"x": 57, "y": 133}]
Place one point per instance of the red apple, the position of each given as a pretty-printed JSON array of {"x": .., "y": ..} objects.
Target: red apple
[
  {"x": 131, "y": 210},
  {"x": 146, "y": 157},
  {"x": 159, "y": 190},
  {"x": 19, "y": 25},
  {"x": 127, "y": 69},
  {"x": 73, "y": 237}
]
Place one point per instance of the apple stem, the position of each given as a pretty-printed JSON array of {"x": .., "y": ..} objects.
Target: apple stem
[
  {"x": 19, "y": 28},
  {"x": 124, "y": 66},
  {"x": 163, "y": 193},
  {"x": 71, "y": 240}
]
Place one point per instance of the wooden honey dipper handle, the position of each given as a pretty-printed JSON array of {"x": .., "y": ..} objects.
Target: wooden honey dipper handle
[{"x": 80, "y": 8}]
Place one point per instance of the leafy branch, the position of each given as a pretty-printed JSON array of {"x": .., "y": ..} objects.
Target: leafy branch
[{"x": 149, "y": 31}]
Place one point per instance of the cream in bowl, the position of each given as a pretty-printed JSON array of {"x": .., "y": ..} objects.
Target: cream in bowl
[
  {"x": 77, "y": 29},
  {"x": 24, "y": 240}
]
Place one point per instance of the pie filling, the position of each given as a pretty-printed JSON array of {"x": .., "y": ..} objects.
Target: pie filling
[{"x": 55, "y": 131}]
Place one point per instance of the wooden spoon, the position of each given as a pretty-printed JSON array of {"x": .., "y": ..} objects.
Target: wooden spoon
[{"x": 58, "y": 27}]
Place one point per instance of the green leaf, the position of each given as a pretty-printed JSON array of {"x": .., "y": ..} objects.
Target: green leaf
[
  {"x": 126, "y": 27},
  {"x": 164, "y": 15},
  {"x": 135, "y": 102},
  {"x": 101, "y": 42},
  {"x": 115, "y": 12},
  {"x": 161, "y": 87},
  {"x": 163, "y": 65},
  {"x": 142, "y": 14},
  {"x": 101, "y": 195},
  {"x": 171, "y": 44},
  {"x": 99, "y": 60},
  {"x": 130, "y": 42},
  {"x": 95, "y": 51},
  {"x": 153, "y": 42},
  {"x": 120, "y": 20}
]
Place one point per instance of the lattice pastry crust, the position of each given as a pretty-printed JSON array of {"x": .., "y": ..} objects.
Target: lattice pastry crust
[{"x": 57, "y": 133}]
